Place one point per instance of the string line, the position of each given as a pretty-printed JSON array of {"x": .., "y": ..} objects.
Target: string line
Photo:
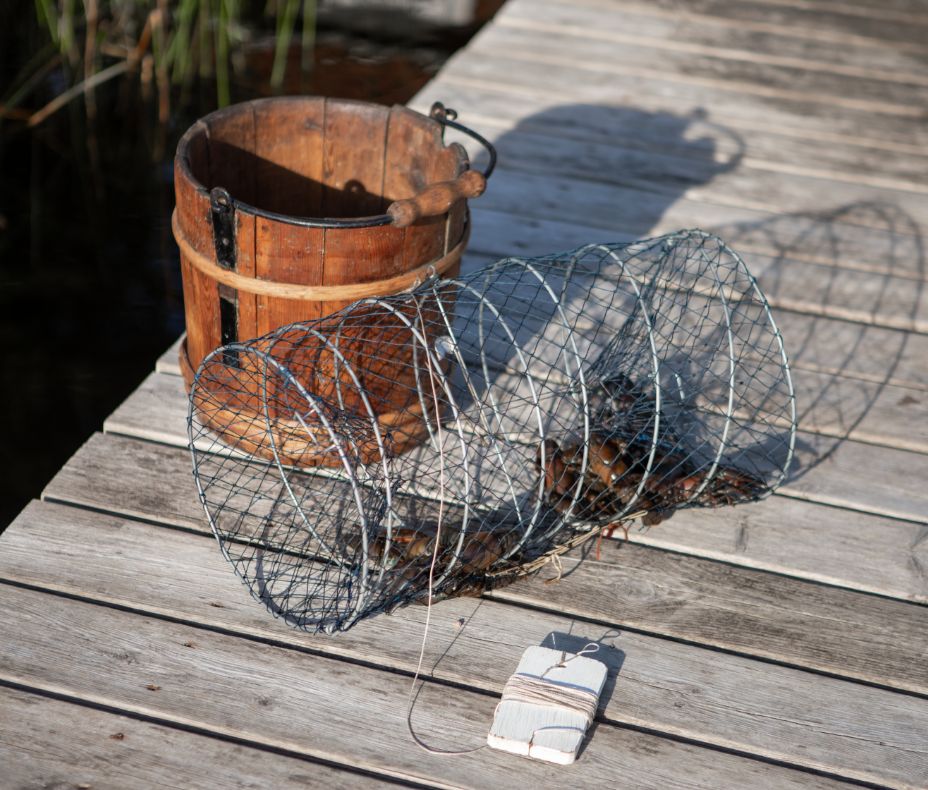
[{"x": 441, "y": 508}]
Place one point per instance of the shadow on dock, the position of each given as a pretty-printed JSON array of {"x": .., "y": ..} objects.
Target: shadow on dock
[
  {"x": 850, "y": 277},
  {"x": 855, "y": 276}
]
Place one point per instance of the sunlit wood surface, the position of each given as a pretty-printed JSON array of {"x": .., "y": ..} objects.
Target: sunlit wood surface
[{"x": 781, "y": 644}]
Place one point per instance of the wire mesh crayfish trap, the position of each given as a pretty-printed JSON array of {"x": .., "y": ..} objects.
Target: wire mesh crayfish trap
[{"x": 488, "y": 422}]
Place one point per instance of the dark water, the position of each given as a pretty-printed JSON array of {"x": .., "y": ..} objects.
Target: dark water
[{"x": 89, "y": 281}]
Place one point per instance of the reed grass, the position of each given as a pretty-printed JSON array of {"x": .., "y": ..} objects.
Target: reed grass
[{"x": 171, "y": 43}]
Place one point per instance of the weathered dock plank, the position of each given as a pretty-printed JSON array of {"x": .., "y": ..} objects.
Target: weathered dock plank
[
  {"x": 316, "y": 706},
  {"x": 734, "y": 104},
  {"x": 709, "y": 39},
  {"x": 107, "y": 751},
  {"x": 844, "y": 473},
  {"x": 772, "y": 616},
  {"x": 881, "y": 299},
  {"x": 660, "y": 24},
  {"x": 679, "y": 689},
  {"x": 832, "y": 545},
  {"x": 646, "y": 123}
]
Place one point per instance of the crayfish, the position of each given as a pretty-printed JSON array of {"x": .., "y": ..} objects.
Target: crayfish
[
  {"x": 615, "y": 471},
  {"x": 408, "y": 556}
]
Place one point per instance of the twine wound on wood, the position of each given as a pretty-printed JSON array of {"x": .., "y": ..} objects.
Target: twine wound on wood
[{"x": 549, "y": 693}]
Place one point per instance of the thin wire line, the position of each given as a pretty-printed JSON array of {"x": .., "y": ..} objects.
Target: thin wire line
[{"x": 413, "y": 693}]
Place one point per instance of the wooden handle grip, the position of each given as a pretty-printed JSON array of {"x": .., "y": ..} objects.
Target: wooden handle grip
[{"x": 437, "y": 198}]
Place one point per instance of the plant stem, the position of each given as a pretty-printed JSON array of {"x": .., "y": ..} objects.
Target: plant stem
[
  {"x": 308, "y": 41},
  {"x": 285, "y": 25},
  {"x": 222, "y": 55},
  {"x": 61, "y": 100}
]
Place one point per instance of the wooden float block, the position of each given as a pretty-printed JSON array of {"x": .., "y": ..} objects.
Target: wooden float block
[{"x": 542, "y": 730}]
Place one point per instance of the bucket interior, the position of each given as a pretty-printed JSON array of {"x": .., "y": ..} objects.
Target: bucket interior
[{"x": 316, "y": 157}]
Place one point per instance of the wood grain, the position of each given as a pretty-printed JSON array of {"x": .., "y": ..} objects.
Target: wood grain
[
  {"x": 609, "y": 80},
  {"x": 842, "y": 349},
  {"x": 787, "y": 619},
  {"x": 832, "y": 545},
  {"x": 660, "y": 27},
  {"x": 106, "y": 751},
  {"x": 741, "y": 610},
  {"x": 700, "y": 67},
  {"x": 879, "y": 299},
  {"x": 704, "y": 134},
  {"x": 845, "y": 473},
  {"x": 353, "y": 169},
  {"x": 201, "y": 302},
  {"x": 316, "y": 706},
  {"x": 290, "y": 165},
  {"x": 717, "y": 183},
  {"x": 666, "y": 686}
]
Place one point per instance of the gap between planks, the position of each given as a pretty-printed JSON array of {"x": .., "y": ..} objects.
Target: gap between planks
[
  {"x": 849, "y": 9},
  {"x": 108, "y": 750},
  {"x": 856, "y": 477},
  {"x": 773, "y": 604},
  {"x": 806, "y": 164},
  {"x": 785, "y": 32},
  {"x": 563, "y": 28},
  {"x": 812, "y": 289},
  {"x": 572, "y": 84},
  {"x": 796, "y": 137},
  {"x": 649, "y": 675},
  {"x": 783, "y": 534},
  {"x": 762, "y": 194},
  {"x": 540, "y": 47},
  {"x": 886, "y": 27},
  {"x": 314, "y": 705}
]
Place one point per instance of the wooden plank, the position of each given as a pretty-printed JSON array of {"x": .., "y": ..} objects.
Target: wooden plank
[
  {"x": 609, "y": 81},
  {"x": 781, "y": 534},
  {"x": 739, "y": 609},
  {"x": 771, "y": 83},
  {"x": 774, "y": 599},
  {"x": 652, "y": 26},
  {"x": 844, "y": 473},
  {"x": 669, "y": 687},
  {"x": 652, "y": 124},
  {"x": 103, "y": 750},
  {"x": 879, "y": 299},
  {"x": 907, "y": 8},
  {"x": 315, "y": 706},
  {"x": 867, "y": 237},
  {"x": 829, "y": 9},
  {"x": 884, "y": 27},
  {"x": 823, "y": 345},
  {"x": 676, "y": 177}
]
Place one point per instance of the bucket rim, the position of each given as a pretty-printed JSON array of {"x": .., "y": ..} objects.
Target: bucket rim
[{"x": 220, "y": 197}]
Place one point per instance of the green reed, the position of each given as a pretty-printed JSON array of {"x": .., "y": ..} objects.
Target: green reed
[{"x": 162, "y": 43}]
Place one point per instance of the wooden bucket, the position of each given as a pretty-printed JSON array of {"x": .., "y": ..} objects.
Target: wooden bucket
[{"x": 290, "y": 208}]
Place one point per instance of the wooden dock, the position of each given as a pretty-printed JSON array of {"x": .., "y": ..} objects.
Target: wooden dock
[{"x": 779, "y": 644}]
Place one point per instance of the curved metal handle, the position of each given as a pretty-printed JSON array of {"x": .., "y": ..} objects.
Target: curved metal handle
[
  {"x": 448, "y": 117},
  {"x": 437, "y": 198}
]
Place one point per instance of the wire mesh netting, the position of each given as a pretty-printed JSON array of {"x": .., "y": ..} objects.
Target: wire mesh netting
[{"x": 475, "y": 427}]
